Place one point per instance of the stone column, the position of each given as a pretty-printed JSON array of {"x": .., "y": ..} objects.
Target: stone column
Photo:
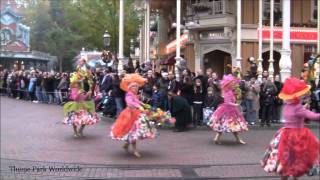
[
  {"x": 238, "y": 58},
  {"x": 147, "y": 30},
  {"x": 318, "y": 45},
  {"x": 177, "y": 73},
  {"x": 260, "y": 42},
  {"x": 121, "y": 28},
  {"x": 285, "y": 61},
  {"x": 271, "y": 69},
  {"x": 141, "y": 38}
]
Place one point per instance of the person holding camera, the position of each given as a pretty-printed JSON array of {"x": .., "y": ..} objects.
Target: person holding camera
[
  {"x": 251, "y": 99},
  {"x": 268, "y": 94}
]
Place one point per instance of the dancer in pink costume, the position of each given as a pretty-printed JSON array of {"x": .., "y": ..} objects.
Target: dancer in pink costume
[
  {"x": 228, "y": 118},
  {"x": 294, "y": 150}
]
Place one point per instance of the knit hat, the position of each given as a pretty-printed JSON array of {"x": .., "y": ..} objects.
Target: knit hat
[{"x": 293, "y": 88}]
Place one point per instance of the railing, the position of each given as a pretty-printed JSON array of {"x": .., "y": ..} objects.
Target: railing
[
  {"x": 212, "y": 8},
  {"x": 218, "y": 7}
]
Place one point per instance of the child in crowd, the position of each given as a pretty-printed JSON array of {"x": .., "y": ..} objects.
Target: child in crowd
[
  {"x": 211, "y": 103},
  {"x": 198, "y": 99},
  {"x": 155, "y": 99}
]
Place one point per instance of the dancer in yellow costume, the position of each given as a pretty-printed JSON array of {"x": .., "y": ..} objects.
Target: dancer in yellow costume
[{"x": 80, "y": 111}]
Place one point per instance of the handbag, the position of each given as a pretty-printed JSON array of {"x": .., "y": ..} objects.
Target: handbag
[{"x": 207, "y": 112}]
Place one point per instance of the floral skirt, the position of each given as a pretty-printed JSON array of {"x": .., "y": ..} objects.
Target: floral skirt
[
  {"x": 81, "y": 117},
  {"x": 140, "y": 126},
  {"x": 292, "y": 152},
  {"x": 227, "y": 118}
]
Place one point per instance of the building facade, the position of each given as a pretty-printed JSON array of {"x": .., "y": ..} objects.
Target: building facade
[
  {"x": 15, "y": 50},
  {"x": 209, "y": 32}
]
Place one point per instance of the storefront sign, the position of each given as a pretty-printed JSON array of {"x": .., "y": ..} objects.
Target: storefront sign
[
  {"x": 306, "y": 35},
  {"x": 171, "y": 47}
]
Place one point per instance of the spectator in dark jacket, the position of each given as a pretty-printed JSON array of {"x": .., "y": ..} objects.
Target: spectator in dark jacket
[
  {"x": 212, "y": 99},
  {"x": 48, "y": 85},
  {"x": 268, "y": 97},
  {"x": 186, "y": 89},
  {"x": 109, "y": 105},
  {"x": 118, "y": 94},
  {"x": 278, "y": 102},
  {"x": 155, "y": 100},
  {"x": 198, "y": 98},
  {"x": 164, "y": 83}
]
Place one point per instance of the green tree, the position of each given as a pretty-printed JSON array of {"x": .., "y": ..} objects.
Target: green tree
[
  {"x": 63, "y": 27},
  {"x": 101, "y": 15}
]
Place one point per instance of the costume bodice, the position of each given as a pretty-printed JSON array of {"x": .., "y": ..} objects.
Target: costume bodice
[
  {"x": 229, "y": 96},
  {"x": 294, "y": 115},
  {"x": 132, "y": 100}
]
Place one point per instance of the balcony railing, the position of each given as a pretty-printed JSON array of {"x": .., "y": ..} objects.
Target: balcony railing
[
  {"x": 205, "y": 7},
  {"x": 218, "y": 7}
]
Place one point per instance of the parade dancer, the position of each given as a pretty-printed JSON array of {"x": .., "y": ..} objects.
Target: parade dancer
[
  {"x": 132, "y": 123},
  {"x": 80, "y": 111},
  {"x": 228, "y": 118},
  {"x": 294, "y": 150}
]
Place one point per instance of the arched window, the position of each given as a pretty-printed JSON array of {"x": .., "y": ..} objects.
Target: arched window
[{"x": 5, "y": 36}]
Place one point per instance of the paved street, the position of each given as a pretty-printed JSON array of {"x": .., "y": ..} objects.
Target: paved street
[{"x": 33, "y": 136}]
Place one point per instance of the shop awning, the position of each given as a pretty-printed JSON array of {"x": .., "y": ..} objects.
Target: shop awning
[{"x": 171, "y": 47}]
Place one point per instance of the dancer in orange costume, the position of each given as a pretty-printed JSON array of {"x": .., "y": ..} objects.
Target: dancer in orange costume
[{"x": 130, "y": 125}]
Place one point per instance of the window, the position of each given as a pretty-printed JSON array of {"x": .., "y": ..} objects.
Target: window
[
  {"x": 308, "y": 51},
  {"x": 314, "y": 10},
  {"x": 277, "y": 12},
  {"x": 5, "y": 36}
]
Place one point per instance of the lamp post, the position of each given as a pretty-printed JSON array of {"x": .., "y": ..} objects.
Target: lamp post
[
  {"x": 106, "y": 40},
  {"x": 131, "y": 48}
]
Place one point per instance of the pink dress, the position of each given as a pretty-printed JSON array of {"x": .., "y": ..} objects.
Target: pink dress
[
  {"x": 294, "y": 150},
  {"x": 227, "y": 117}
]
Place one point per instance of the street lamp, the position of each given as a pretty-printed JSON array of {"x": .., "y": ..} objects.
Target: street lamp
[
  {"x": 106, "y": 55},
  {"x": 106, "y": 39},
  {"x": 132, "y": 47}
]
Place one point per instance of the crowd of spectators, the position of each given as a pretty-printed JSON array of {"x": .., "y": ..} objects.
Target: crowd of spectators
[{"x": 259, "y": 100}]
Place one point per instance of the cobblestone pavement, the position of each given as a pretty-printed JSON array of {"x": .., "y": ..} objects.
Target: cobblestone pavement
[{"x": 34, "y": 140}]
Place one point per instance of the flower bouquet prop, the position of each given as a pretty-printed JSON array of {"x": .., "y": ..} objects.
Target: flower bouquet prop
[{"x": 161, "y": 118}]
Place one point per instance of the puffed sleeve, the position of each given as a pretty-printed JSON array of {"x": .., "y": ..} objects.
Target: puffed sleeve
[{"x": 305, "y": 113}]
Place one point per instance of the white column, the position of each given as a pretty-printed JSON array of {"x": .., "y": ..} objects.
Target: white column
[
  {"x": 271, "y": 69},
  {"x": 318, "y": 20},
  {"x": 285, "y": 61},
  {"x": 141, "y": 39},
  {"x": 318, "y": 48},
  {"x": 260, "y": 42},
  {"x": 121, "y": 27},
  {"x": 238, "y": 58},
  {"x": 177, "y": 73},
  {"x": 147, "y": 30}
]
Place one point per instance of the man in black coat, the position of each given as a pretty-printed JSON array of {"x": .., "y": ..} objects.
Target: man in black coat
[{"x": 180, "y": 109}]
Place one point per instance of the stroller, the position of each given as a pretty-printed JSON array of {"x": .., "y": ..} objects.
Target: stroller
[{"x": 106, "y": 104}]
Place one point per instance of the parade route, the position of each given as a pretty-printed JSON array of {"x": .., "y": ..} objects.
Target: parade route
[{"x": 33, "y": 136}]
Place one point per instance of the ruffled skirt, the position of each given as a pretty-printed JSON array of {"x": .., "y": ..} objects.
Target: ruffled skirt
[
  {"x": 227, "y": 118},
  {"x": 292, "y": 152},
  {"x": 133, "y": 125},
  {"x": 80, "y": 113},
  {"x": 82, "y": 117}
]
